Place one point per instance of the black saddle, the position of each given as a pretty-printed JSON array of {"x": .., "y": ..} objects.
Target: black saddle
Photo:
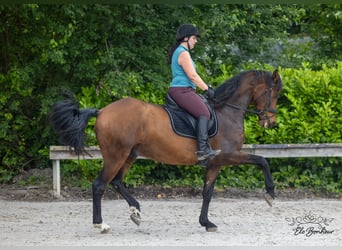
[{"x": 183, "y": 123}]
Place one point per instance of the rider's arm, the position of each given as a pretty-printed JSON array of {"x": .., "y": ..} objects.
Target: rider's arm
[{"x": 185, "y": 61}]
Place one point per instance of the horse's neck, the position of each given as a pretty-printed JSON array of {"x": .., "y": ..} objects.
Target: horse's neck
[
  {"x": 241, "y": 99},
  {"x": 237, "y": 106}
]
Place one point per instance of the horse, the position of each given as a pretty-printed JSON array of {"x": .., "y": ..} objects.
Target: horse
[{"x": 129, "y": 128}]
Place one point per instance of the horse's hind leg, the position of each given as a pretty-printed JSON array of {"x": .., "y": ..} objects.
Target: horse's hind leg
[
  {"x": 118, "y": 185},
  {"x": 111, "y": 167},
  {"x": 98, "y": 189}
]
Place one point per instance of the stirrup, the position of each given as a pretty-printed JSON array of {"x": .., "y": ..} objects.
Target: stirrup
[
  {"x": 214, "y": 153},
  {"x": 211, "y": 154},
  {"x": 201, "y": 155}
]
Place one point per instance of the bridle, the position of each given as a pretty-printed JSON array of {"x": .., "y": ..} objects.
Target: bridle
[{"x": 261, "y": 113}]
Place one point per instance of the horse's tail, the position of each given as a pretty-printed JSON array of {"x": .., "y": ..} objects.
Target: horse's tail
[{"x": 69, "y": 122}]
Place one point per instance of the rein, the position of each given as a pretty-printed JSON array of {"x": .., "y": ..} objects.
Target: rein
[
  {"x": 261, "y": 113},
  {"x": 239, "y": 108}
]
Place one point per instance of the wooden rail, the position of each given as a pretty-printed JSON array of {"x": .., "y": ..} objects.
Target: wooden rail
[{"x": 58, "y": 153}]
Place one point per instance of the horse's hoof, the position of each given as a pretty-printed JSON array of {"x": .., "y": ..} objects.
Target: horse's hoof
[
  {"x": 211, "y": 229},
  {"x": 269, "y": 199},
  {"x": 135, "y": 216},
  {"x": 104, "y": 228},
  {"x": 136, "y": 219}
]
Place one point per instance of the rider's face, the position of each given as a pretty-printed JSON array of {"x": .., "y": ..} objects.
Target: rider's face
[{"x": 192, "y": 41}]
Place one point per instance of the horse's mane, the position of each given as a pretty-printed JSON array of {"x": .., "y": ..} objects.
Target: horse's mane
[{"x": 225, "y": 91}]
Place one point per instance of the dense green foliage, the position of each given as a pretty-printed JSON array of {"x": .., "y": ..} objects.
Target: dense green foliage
[{"x": 106, "y": 52}]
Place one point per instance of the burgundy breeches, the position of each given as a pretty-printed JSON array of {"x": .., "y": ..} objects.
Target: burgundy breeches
[{"x": 190, "y": 101}]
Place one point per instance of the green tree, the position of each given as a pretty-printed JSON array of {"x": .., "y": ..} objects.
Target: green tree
[{"x": 323, "y": 23}]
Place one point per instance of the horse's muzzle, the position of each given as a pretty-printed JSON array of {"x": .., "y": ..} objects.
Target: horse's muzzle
[{"x": 267, "y": 123}]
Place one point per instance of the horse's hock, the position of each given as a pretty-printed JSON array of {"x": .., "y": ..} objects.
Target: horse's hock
[{"x": 58, "y": 153}]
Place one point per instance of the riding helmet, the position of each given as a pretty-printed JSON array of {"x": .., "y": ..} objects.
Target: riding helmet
[{"x": 186, "y": 30}]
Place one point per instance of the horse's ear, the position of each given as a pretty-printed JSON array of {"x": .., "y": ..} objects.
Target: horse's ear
[{"x": 275, "y": 76}]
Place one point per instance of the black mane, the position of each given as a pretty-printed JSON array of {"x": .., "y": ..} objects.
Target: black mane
[{"x": 225, "y": 91}]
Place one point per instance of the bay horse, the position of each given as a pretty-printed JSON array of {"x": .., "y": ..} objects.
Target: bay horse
[{"x": 129, "y": 127}]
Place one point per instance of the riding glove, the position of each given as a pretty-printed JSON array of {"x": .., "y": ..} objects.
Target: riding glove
[{"x": 210, "y": 93}]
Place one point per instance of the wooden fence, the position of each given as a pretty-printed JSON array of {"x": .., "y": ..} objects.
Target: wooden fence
[{"x": 58, "y": 153}]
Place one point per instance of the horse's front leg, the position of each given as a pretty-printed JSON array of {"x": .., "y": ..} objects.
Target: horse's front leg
[
  {"x": 208, "y": 189},
  {"x": 243, "y": 158},
  {"x": 261, "y": 161}
]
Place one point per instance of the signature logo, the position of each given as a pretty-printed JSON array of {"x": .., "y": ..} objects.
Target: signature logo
[{"x": 310, "y": 224}]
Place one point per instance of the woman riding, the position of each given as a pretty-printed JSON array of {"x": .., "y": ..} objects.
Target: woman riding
[{"x": 183, "y": 87}]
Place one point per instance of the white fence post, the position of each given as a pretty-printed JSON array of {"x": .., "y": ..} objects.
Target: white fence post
[{"x": 56, "y": 177}]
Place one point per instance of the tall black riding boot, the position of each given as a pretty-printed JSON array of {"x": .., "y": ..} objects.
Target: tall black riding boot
[{"x": 204, "y": 149}]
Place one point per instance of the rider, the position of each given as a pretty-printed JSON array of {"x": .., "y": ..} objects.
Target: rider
[{"x": 183, "y": 87}]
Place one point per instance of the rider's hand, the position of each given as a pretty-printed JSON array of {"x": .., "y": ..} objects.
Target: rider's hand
[{"x": 210, "y": 93}]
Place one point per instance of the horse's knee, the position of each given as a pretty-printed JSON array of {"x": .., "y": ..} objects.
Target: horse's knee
[
  {"x": 260, "y": 161},
  {"x": 263, "y": 163}
]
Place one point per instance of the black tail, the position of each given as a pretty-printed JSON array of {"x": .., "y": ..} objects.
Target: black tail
[{"x": 69, "y": 123}]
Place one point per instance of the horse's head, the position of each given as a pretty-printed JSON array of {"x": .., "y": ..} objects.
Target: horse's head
[{"x": 265, "y": 97}]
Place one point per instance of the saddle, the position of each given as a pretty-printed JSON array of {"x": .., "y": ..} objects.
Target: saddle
[{"x": 183, "y": 123}]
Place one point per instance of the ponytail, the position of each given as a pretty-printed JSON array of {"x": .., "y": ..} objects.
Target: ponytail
[{"x": 171, "y": 50}]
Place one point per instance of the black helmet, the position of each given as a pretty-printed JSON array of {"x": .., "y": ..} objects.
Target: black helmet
[{"x": 186, "y": 30}]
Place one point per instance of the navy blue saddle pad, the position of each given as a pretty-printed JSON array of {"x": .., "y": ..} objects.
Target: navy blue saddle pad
[{"x": 183, "y": 123}]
